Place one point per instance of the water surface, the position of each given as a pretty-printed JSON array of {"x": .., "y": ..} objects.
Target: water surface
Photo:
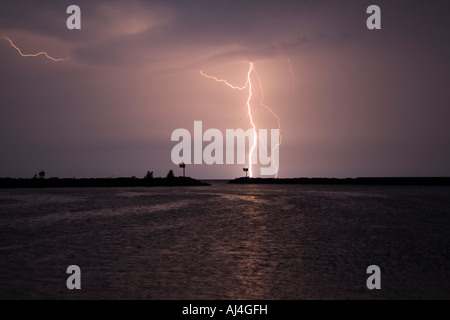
[{"x": 226, "y": 242}]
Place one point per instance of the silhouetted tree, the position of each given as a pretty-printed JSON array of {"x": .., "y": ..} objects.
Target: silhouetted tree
[
  {"x": 170, "y": 175},
  {"x": 149, "y": 175},
  {"x": 183, "y": 166},
  {"x": 42, "y": 174}
]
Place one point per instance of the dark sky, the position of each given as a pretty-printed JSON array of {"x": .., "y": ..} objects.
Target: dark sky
[{"x": 352, "y": 102}]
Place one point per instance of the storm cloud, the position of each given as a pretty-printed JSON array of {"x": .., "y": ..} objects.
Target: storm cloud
[{"x": 352, "y": 102}]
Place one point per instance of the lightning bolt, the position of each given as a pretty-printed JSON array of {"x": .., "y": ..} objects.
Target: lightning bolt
[
  {"x": 32, "y": 55},
  {"x": 275, "y": 116},
  {"x": 249, "y": 85},
  {"x": 291, "y": 70}
]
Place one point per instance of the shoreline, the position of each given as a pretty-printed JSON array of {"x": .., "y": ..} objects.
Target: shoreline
[
  {"x": 12, "y": 183},
  {"x": 423, "y": 181}
]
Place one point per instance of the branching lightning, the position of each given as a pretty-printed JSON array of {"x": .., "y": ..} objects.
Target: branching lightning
[
  {"x": 291, "y": 70},
  {"x": 32, "y": 55},
  {"x": 249, "y": 85},
  {"x": 276, "y": 117}
]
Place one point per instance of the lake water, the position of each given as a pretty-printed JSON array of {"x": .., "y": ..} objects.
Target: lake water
[{"x": 226, "y": 242}]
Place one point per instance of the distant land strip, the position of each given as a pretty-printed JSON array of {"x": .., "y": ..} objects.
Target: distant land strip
[
  {"x": 10, "y": 183},
  {"x": 434, "y": 181}
]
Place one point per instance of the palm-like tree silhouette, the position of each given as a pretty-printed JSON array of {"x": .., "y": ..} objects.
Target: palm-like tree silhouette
[
  {"x": 183, "y": 165},
  {"x": 246, "y": 172}
]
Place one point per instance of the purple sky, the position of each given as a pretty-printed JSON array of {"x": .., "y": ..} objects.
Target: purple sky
[{"x": 357, "y": 102}]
